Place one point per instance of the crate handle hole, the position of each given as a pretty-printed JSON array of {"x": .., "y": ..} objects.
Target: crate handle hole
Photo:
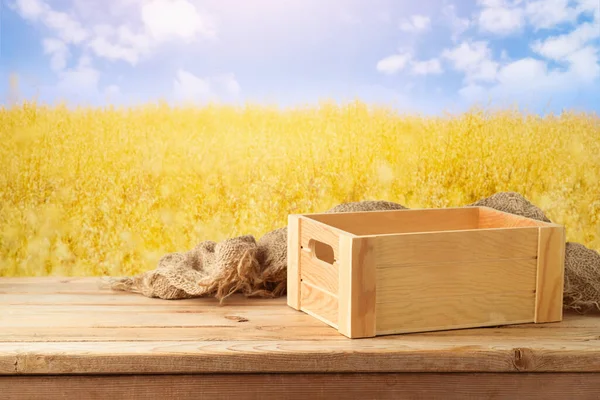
[{"x": 321, "y": 251}]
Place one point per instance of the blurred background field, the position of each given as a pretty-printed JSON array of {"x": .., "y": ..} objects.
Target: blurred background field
[{"x": 109, "y": 191}]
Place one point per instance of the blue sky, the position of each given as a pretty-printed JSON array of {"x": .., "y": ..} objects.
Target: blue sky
[{"x": 426, "y": 56}]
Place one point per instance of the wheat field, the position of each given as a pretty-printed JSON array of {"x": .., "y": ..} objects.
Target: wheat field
[{"x": 109, "y": 191}]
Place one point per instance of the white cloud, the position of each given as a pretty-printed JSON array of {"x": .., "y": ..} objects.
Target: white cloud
[
  {"x": 80, "y": 80},
  {"x": 94, "y": 28},
  {"x": 394, "y": 63},
  {"x": 428, "y": 67},
  {"x": 523, "y": 72},
  {"x": 80, "y": 84},
  {"x": 588, "y": 6},
  {"x": 416, "y": 23},
  {"x": 474, "y": 59},
  {"x": 532, "y": 78},
  {"x": 120, "y": 44},
  {"x": 500, "y": 17},
  {"x": 457, "y": 25},
  {"x": 187, "y": 87},
  {"x": 66, "y": 27},
  {"x": 545, "y": 14},
  {"x": 62, "y": 25},
  {"x": 473, "y": 92},
  {"x": 397, "y": 62},
  {"x": 584, "y": 64},
  {"x": 559, "y": 47},
  {"x": 58, "y": 51},
  {"x": 165, "y": 19},
  {"x": 30, "y": 9}
]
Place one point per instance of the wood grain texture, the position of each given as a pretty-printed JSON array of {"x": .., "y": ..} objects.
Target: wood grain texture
[
  {"x": 307, "y": 386},
  {"x": 357, "y": 288},
  {"x": 270, "y": 356},
  {"x": 492, "y": 218},
  {"x": 550, "y": 274},
  {"x": 454, "y": 295},
  {"x": 105, "y": 332},
  {"x": 311, "y": 229},
  {"x": 318, "y": 273},
  {"x": 455, "y": 312},
  {"x": 319, "y": 304},
  {"x": 293, "y": 262},
  {"x": 458, "y": 246},
  {"x": 455, "y": 279}
]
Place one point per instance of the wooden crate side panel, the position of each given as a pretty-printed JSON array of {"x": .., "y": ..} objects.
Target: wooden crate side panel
[
  {"x": 319, "y": 279},
  {"x": 491, "y": 218},
  {"x": 319, "y": 304},
  {"x": 460, "y": 246},
  {"x": 550, "y": 275},
  {"x": 441, "y": 313},
  {"x": 357, "y": 288},
  {"x": 293, "y": 262},
  {"x": 402, "y": 221},
  {"x": 455, "y": 279},
  {"x": 315, "y": 271}
]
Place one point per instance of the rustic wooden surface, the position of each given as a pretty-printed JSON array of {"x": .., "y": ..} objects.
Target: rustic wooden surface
[
  {"x": 61, "y": 334},
  {"x": 56, "y": 326},
  {"x": 472, "y": 386}
]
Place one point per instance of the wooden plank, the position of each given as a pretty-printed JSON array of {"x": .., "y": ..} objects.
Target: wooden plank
[
  {"x": 308, "y": 386},
  {"x": 241, "y": 306},
  {"x": 238, "y": 305},
  {"x": 492, "y": 218},
  {"x": 293, "y": 262},
  {"x": 123, "y": 299},
  {"x": 322, "y": 332},
  {"x": 443, "y": 280},
  {"x": 401, "y": 221},
  {"x": 391, "y": 354},
  {"x": 29, "y": 285},
  {"x": 454, "y": 312},
  {"x": 319, "y": 304},
  {"x": 460, "y": 246},
  {"x": 219, "y": 319},
  {"x": 311, "y": 229},
  {"x": 318, "y": 273},
  {"x": 358, "y": 284},
  {"x": 550, "y": 274}
]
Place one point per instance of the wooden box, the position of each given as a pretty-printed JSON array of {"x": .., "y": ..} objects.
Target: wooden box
[{"x": 387, "y": 272}]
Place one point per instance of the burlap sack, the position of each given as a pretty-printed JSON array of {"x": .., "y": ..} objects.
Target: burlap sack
[{"x": 253, "y": 268}]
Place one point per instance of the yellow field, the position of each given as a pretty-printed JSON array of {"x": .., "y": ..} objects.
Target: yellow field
[{"x": 92, "y": 192}]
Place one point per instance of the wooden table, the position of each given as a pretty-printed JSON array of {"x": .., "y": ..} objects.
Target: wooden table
[{"x": 66, "y": 337}]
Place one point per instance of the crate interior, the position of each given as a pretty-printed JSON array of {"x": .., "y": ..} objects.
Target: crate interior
[{"x": 423, "y": 220}]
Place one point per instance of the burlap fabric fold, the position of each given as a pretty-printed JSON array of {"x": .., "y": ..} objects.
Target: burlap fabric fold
[{"x": 258, "y": 268}]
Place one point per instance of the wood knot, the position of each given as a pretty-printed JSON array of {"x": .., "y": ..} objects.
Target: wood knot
[
  {"x": 236, "y": 318},
  {"x": 523, "y": 359}
]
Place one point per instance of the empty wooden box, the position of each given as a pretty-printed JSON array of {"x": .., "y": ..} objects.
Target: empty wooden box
[{"x": 386, "y": 272}]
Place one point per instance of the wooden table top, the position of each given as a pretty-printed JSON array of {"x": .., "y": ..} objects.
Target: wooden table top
[{"x": 72, "y": 326}]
